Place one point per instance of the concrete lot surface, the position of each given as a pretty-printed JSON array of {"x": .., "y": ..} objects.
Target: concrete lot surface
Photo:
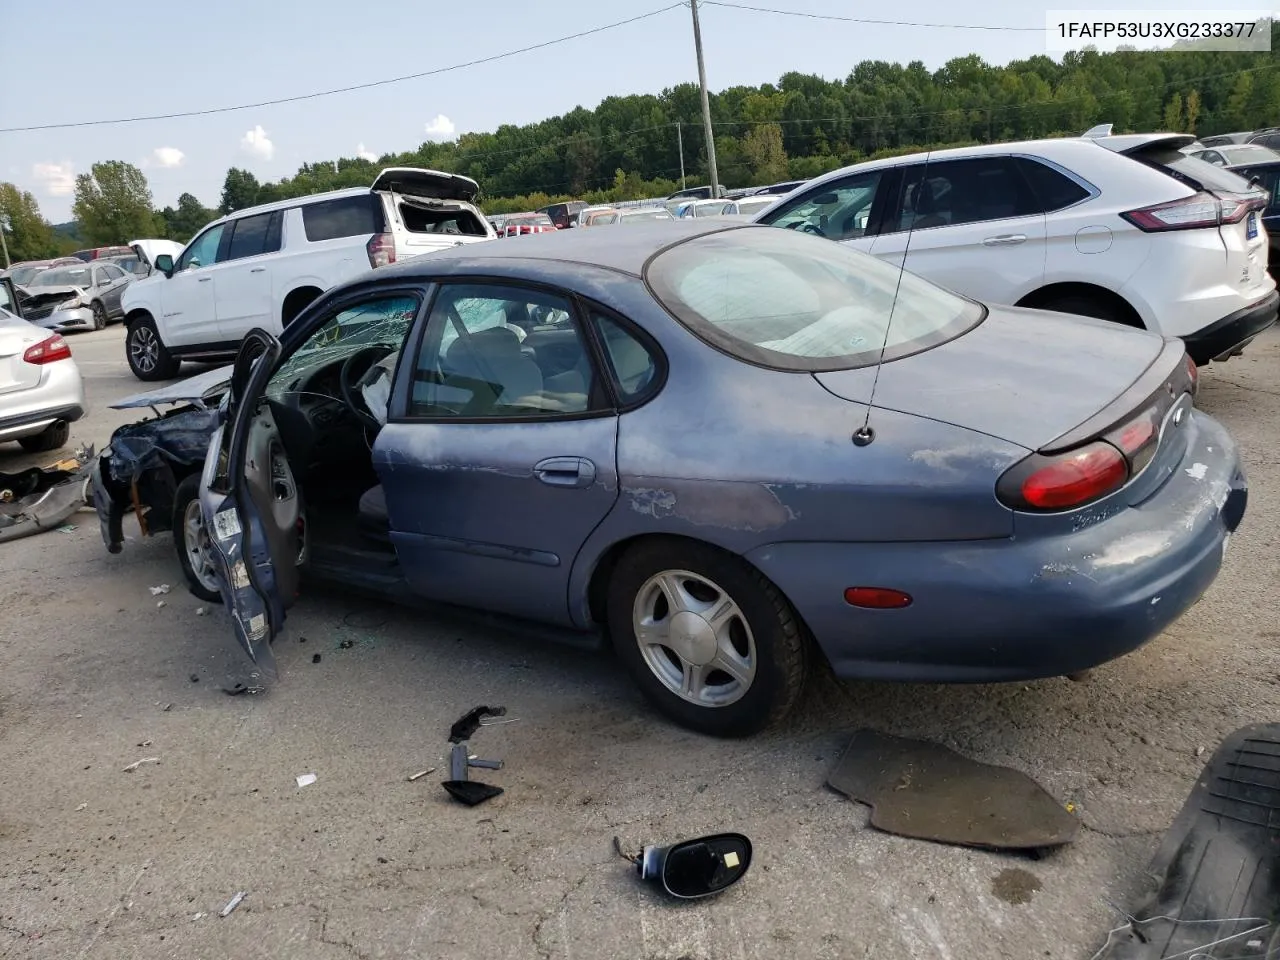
[{"x": 99, "y": 863}]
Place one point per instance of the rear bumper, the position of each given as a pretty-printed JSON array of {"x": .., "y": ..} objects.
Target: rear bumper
[
  {"x": 29, "y": 424},
  {"x": 1027, "y": 607},
  {"x": 1234, "y": 331},
  {"x": 58, "y": 396}
]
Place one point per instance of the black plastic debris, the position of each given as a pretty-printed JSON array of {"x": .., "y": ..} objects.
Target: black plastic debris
[
  {"x": 923, "y": 790},
  {"x": 346, "y": 644},
  {"x": 466, "y": 725},
  {"x": 1213, "y": 886},
  {"x": 195, "y": 678},
  {"x": 315, "y": 658},
  {"x": 472, "y": 792}
]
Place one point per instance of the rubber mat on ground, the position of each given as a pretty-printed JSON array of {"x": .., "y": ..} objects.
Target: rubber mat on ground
[{"x": 924, "y": 790}]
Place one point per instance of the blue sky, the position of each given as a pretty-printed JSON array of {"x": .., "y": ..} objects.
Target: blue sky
[{"x": 172, "y": 57}]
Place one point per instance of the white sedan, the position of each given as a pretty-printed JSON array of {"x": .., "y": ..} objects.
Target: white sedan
[{"x": 41, "y": 391}]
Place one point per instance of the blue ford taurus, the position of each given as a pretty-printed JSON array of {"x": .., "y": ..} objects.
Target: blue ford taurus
[{"x": 726, "y": 451}]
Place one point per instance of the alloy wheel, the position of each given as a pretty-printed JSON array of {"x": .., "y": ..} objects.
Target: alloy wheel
[
  {"x": 195, "y": 540},
  {"x": 144, "y": 347},
  {"x": 695, "y": 638}
]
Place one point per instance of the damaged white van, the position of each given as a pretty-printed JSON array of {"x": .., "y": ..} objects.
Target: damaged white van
[{"x": 259, "y": 267}]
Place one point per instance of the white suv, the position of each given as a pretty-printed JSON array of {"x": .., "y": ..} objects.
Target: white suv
[
  {"x": 261, "y": 266},
  {"x": 1122, "y": 228}
]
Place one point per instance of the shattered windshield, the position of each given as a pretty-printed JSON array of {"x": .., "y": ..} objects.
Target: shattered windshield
[{"x": 382, "y": 321}]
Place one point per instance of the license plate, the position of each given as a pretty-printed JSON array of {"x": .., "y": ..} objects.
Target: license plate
[{"x": 1251, "y": 226}]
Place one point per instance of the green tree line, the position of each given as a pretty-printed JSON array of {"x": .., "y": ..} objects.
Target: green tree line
[{"x": 803, "y": 125}]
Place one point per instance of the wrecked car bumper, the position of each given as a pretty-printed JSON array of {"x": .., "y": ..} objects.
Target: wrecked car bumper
[
  {"x": 33, "y": 501},
  {"x": 999, "y": 610},
  {"x": 71, "y": 319}
]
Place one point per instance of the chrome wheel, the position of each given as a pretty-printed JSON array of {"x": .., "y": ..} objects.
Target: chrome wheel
[
  {"x": 144, "y": 348},
  {"x": 195, "y": 540},
  {"x": 99, "y": 316},
  {"x": 694, "y": 638}
]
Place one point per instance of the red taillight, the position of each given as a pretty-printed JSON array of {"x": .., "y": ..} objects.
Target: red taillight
[
  {"x": 1194, "y": 373},
  {"x": 47, "y": 351},
  {"x": 1191, "y": 213},
  {"x": 1076, "y": 478},
  {"x": 877, "y": 598},
  {"x": 1138, "y": 439},
  {"x": 382, "y": 250}
]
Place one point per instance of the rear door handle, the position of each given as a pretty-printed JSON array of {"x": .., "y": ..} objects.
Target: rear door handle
[
  {"x": 205, "y": 279},
  {"x": 1005, "y": 240},
  {"x": 257, "y": 269},
  {"x": 565, "y": 471}
]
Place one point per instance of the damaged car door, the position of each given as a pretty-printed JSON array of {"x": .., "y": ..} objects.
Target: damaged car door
[{"x": 252, "y": 506}]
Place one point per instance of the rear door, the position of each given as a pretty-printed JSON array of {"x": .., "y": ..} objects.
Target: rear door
[
  {"x": 252, "y": 506},
  {"x": 499, "y": 459},
  {"x": 114, "y": 280},
  {"x": 970, "y": 225},
  {"x": 244, "y": 281}
]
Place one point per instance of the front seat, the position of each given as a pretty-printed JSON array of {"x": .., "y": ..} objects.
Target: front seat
[{"x": 494, "y": 357}]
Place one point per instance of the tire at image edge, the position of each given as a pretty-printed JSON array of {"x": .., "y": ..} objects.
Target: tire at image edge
[
  {"x": 51, "y": 438},
  {"x": 782, "y": 647}
]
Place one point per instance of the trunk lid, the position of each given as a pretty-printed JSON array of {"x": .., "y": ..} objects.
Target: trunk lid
[
  {"x": 1026, "y": 376},
  {"x": 432, "y": 184},
  {"x": 16, "y": 337}
]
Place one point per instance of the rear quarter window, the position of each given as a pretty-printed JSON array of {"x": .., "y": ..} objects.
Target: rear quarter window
[
  {"x": 1053, "y": 189},
  {"x": 345, "y": 217}
]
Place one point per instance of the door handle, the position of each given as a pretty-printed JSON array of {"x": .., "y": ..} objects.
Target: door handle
[
  {"x": 565, "y": 471},
  {"x": 257, "y": 269},
  {"x": 1005, "y": 240},
  {"x": 205, "y": 279}
]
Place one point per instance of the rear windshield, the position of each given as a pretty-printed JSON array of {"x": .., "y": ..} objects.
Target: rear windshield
[
  {"x": 460, "y": 223},
  {"x": 1192, "y": 171},
  {"x": 345, "y": 217},
  {"x": 797, "y": 302},
  {"x": 638, "y": 216},
  {"x": 1250, "y": 153},
  {"x": 63, "y": 277}
]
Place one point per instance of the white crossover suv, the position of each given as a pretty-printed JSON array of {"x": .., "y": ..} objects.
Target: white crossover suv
[
  {"x": 260, "y": 267},
  {"x": 1121, "y": 228}
]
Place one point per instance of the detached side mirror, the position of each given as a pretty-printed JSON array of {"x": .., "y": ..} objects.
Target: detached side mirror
[
  {"x": 697, "y": 868},
  {"x": 164, "y": 263}
]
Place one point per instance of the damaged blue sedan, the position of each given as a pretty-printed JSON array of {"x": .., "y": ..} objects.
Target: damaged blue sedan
[{"x": 726, "y": 452}]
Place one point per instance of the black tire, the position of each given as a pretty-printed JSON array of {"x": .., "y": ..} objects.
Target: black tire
[
  {"x": 1083, "y": 305},
  {"x": 781, "y": 648},
  {"x": 99, "y": 315},
  {"x": 187, "y": 494},
  {"x": 51, "y": 438},
  {"x": 148, "y": 357}
]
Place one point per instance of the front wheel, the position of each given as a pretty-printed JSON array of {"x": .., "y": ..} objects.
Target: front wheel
[
  {"x": 191, "y": 538},
  {"x": 148, "y": 357},
  {"x": 707, "y": 638},
  {"x": 99, "y": 315}
]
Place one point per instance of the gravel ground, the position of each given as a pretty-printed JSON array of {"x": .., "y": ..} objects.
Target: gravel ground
[{"x": 99, "y": 863}]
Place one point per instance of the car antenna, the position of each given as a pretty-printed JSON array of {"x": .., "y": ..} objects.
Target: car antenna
[{"x": 866, "y": 433}]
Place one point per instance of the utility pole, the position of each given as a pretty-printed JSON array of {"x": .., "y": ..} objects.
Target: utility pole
[
  {"x": 680, "y": 143},
  {"x": 4, "y": 225},
  {"x": 706, "y": 102}
]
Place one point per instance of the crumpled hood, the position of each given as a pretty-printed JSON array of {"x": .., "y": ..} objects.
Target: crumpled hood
[
  {"x": 193, "y": 389},
  {"x": 45, "y": 294},
  {"x": 1026, "y": 376}
]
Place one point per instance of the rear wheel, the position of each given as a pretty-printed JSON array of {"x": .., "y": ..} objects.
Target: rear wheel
[
  {"x": 51, "y": 438},
  {"x": 708, "y": 639},
  {"x": 191, "y": 539},
  {"x": 148, "y": 357},
  {"x": 99, "y": 315}
]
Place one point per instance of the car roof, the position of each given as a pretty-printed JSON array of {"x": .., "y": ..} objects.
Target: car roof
[
  {"x": 294, "y": 202},
  {"x": 625, "y": 251}
]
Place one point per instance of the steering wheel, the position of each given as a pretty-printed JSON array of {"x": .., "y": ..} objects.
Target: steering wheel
[
  {"x": 357, "y": 372},
  {"x": 811, "y": 228}
]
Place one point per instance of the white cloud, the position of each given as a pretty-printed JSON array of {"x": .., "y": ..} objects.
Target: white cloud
[
  {"x": 168, "y": 156},
  {"x": 59, "y": 179},
  {"x": 364, "y": 154},
  {"x": 441, "y": 128},
  {"x": 255, "y": 142}
]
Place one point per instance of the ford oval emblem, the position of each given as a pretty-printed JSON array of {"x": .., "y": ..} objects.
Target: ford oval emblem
[{"x": 1178, "y": 415}]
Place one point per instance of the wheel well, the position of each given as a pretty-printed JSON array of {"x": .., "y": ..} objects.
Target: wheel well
[
  {"x": 598, "y": 588},
  {"x": 1059, "y": 291},
  {"x": 295, "y": 302},
  {"x": 133, "y": 316}
]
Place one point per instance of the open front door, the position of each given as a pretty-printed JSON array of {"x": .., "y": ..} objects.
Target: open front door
[{"x": 252, "y": 507}]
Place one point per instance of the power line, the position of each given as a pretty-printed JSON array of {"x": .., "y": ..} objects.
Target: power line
[
  {"x": 358, "y": 86},
  {"x": 885, "y": 23}
]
